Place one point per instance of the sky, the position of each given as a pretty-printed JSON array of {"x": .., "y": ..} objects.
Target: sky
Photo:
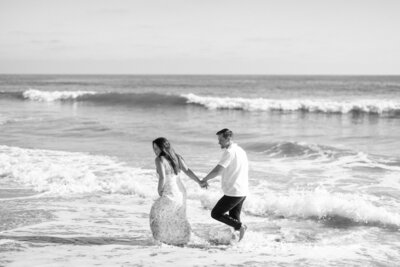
[{"x": 349, "y": 37}]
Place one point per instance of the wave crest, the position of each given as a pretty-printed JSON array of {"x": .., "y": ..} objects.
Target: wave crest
[
  {"x": 49, "y": 96},
  {"x": 102, "y": 98},
  {"x": 319, "y": 204},
  {"x": 322, "y": 204},
  {"x": 323, "y": 106},
  {"x": 369, "y": 106}
]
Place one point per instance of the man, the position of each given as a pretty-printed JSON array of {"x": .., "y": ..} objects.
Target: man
[{"x": 233, "y": 169}]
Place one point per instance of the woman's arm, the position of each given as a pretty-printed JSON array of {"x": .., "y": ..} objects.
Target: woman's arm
[
  {"x": 161, "y": 175},
  {"x": 187, "y": 171}
]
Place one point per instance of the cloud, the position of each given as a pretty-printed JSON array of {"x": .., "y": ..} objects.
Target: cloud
[
  {"x": 18, "y": 33},
  {"x": 110, "y": 11},
  {"x": 268, "y": 39},
  {"x": 54, "y": 41}
]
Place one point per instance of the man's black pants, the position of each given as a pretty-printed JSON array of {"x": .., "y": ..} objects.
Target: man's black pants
[{"x": 231, "y": 204}]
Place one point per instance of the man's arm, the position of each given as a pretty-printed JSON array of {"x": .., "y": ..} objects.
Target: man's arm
[{"x": 217, "y": 171}]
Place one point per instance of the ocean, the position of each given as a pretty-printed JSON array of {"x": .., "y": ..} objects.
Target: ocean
[{"x": 77, "y": 174}]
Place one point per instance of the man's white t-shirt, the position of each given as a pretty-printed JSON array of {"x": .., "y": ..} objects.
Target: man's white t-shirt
[{"x": 235, "y": 175}]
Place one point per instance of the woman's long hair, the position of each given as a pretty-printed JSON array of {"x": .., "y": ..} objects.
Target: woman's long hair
[{"x": 167, "y": 152}]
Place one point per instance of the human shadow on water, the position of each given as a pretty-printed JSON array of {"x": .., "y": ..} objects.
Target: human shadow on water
[{"x": 81, "y": 240}]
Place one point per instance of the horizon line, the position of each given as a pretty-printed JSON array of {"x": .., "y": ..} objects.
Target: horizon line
[{"x": 198, "y": 74}]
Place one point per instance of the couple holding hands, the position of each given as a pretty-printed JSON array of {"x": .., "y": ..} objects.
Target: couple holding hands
[{"x": 168, "y": 220}]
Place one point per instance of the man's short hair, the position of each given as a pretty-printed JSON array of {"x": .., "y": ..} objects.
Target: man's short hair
[{"x": 226, "y": 133}]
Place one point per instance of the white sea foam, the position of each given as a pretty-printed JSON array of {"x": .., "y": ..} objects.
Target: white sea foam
[
  {"x": 221, "y": 235},
  {"x": 66, "y": 172},
  {"x": 313, "y": 204},
  {"x": 60, "y": 172},
  {"x": 49, "y": 96},
  {"x": 315, "y": 105},
  {"x": 321, "y": 203}
]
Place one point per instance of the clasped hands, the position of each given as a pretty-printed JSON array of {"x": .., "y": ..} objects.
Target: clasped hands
[{"x": 203, "y": 184}]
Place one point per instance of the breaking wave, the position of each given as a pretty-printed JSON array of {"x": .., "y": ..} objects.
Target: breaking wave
[
  {"x": 63, "y": 173},
  {"x": 368, "y": 106},
  {"x": 319, "y": 204},
  {"x": 290, "y": 105},
  {"x": 102, "y": 98},
  {"x": 48, "y": 96}
]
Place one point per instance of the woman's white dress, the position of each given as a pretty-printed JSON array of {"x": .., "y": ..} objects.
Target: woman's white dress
[{"x": 168, "y": 220}]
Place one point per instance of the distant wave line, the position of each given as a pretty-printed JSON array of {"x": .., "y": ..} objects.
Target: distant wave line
[
  {"x": 291, "y": 105},
  {"x": 367, "y": 106}
]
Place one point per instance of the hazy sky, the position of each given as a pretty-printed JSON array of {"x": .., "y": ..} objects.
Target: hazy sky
[{"x": 200, "y": 36}]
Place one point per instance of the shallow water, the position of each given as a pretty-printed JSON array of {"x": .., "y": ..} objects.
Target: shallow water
[{"x": 77, "y": 175}]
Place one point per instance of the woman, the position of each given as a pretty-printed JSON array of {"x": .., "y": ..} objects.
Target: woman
[{"x": 168, "y": 220}]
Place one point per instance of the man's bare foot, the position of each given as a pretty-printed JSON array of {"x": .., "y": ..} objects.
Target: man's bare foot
[{"x": 242, "y": 230}]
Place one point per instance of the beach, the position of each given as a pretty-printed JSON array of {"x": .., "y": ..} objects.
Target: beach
[{"x": 77, "y": 174}]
